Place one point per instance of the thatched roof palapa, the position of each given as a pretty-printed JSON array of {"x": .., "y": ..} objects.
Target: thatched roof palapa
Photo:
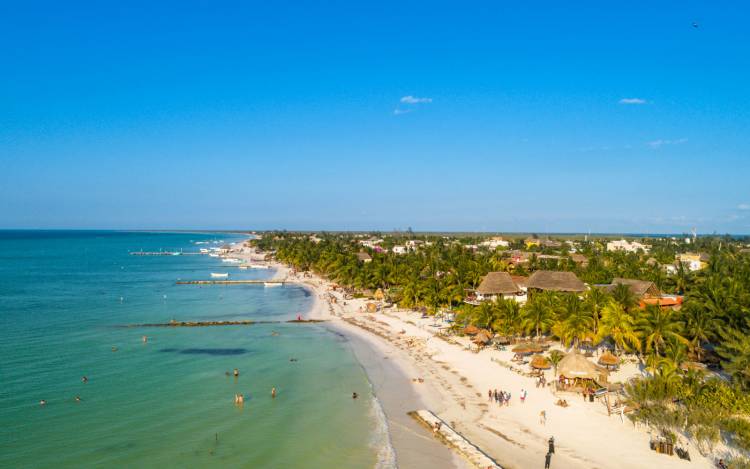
[
  {"x": 483, "y": 337},
  {"x": 608, "y": 359},
  {"x": 556, "y": 281},
  {"x": 497, "y": 283},
  {"x": 575, "y": 365},
  {"x": 471, "y": 329},
  {"x": 639, "y": 288},
  {"x": 540, "y": 363}
]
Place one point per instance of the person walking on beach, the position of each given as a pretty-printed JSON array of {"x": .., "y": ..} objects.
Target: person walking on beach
[
  {"x": 547, "y": 460},
  {"x": 543, "y": 417},
  {"x": 523, "y": 396},
  {"x": 552, "y": 445},
  {"x": 489, "y": 394}
]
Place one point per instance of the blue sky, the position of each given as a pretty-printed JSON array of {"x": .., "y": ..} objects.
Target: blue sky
[{"x": 493, "y": 116}]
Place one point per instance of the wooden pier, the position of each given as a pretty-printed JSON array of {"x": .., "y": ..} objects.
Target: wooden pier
[
  {"x": 222, "y": 323},
  {"x": 230, "y": 282},
  {"x": 164, "y": 253}
]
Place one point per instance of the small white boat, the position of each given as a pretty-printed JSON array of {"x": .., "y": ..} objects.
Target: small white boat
[
  {"x": 259, "y": 266},
  {"x": 231, "y": 260},
  {"x": 213, "y": 255},
  {"x": 215, "y": 275},
  {"x": 204, "y": 250},
  {"x": 271, "y": 284}
]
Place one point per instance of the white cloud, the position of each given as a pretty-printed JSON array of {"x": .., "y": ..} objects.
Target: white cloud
[
  {"x": 632, "y": 101},
  {"x": 414, "y": 100},
  {"x": 743, "y": 206},
  {"x": 661, "y": 142},
  {"x": 398, "y": 111}
]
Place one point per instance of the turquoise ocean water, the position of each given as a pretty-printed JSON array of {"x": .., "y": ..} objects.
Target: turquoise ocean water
[{"x": 168, "y": 402}]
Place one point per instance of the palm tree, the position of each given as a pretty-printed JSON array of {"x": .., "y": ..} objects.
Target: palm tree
[
  {"x": 697, "y": 326},
  {"x": 578, "y": 323},
  {"x": 508, "y": 317},
  {"x": 620, "y": 326},
  {"x": 596, "y": 299},
  {"x": 657, "y": 326},
  {"x": 622, "y": 294},
  {"x": 539, "y": 313}
]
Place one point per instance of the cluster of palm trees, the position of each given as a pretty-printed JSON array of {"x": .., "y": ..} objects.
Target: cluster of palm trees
[
  {"x": 595, "y": 317},
  {"x": 715, "y": 315}
]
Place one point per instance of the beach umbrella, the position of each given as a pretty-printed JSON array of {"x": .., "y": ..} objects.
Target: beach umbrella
[
  {"x": 502, "y": 340},
  {"x": 608, "y": 359},
  {"x": 540, "y": 363},
  {"x": 471, "y": 330},
  {"x": 483, "y": 337}
]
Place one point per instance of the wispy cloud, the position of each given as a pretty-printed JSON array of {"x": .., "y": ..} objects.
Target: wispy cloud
[
  {"x": 743, "y": 207},
  {"x": 409, "y": 103},
  {"x": 632, "y": 101},
  {"x": 661, "y": 142},
  {"x": 414, "y": 100}
]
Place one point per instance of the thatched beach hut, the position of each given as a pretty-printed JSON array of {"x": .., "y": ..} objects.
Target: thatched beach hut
[
  {"x": 539, "y": 362},
  {"x": 495, "y": 285},
  {"x": 609, "y": 359},
  {"x": 471, "y": 329},
  {"x": 484, "y": 337},
  {"x": 578, "y": 370},
  {"x": 548, "y": 280}
]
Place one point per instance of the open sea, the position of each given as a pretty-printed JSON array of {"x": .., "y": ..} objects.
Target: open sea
[{"x": 64, "y": 296}]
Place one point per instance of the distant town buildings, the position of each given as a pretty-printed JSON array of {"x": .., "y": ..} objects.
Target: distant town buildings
[{"x": 627, "y": 246}]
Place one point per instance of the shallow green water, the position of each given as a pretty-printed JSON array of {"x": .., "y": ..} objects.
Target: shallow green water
[{"x": 168, "y": 402}]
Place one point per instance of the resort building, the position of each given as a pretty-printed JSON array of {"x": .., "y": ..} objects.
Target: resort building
[
  {"x": 371, "y": 243},
  {"x": 548, "y": 280},
  {"x": 627, "y": 246},
  {"x": 495, "y": 242},
  {"x": 639, "y": 288},
  {"x": 400, "y": 249},
  {"x": 499, "y": 285},
  {"x": 693, "y": 261}
]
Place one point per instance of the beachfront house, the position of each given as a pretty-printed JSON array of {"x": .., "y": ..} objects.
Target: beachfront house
[
  {"x": 627, "y": 246},
  {"x": 498, "y": 285},
  {"x": 549, "y": 280}
]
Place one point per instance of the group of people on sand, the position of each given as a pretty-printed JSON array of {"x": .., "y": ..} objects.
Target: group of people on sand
[
  {"x": 503, "y": 397},
  {"x": 500, "y": 397}
]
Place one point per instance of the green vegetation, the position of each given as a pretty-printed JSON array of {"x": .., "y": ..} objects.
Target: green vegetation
[{"x": 712, "y": 326}]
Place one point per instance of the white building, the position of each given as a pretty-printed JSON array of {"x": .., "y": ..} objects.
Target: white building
[
  {"x": 495, "y": 242},
  {"x": 400, "y": 249},
  {"x": 627, "y": 246}
]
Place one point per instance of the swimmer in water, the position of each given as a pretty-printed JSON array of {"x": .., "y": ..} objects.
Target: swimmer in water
[
  {"x": 354, "y": 395},
  {"x": 84, "y": 380},
  {"x": 42, "y": 402},
  {"x": 144, "y": 339},
  {"x": 114, "y": 349},
  {"x": 236, "y": 372},
  {"x": 273, "y": 393},
  {"x": 78, "y": 398}
]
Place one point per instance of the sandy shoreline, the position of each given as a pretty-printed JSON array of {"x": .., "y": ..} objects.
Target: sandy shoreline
[{"x": 400, "y": 345}]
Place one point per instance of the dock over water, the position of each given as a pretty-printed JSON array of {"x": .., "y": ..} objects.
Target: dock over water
[
  {"x": 222, "y": 323},
  {"x": 230, "y": 282}
]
